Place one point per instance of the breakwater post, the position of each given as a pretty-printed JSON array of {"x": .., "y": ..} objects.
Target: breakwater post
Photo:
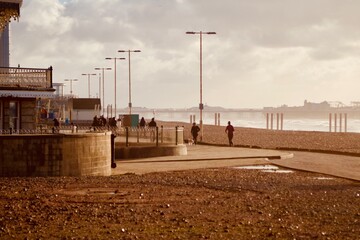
[
  {"x": 279, "y": 121},
  {"x": 335, "y": 122},
  {"x": 217, "y": 119},
  {"x": 192, "y": 119}
]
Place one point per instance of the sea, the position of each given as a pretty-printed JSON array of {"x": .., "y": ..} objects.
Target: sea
[{"x": 258, "y": 120}]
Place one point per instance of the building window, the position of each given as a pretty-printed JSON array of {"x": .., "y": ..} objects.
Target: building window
[{"x": 14, "y": 115}]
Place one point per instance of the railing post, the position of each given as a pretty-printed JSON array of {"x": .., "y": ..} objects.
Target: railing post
[
  {"x": 176, "y": 135},
  {"x": 138, "y": 134},
  {"x": 157, "y": 136},
  {"x": 162, "y": 134},
  {"x": 127, "y": 136},
  {"x": 113, "y": 163},
  {"x": 345, "y": 122}
]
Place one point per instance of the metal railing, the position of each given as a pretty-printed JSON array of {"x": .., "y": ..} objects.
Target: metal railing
[
  {"x": 126, "y": 135},
  {"x": 25, "y": 77}
]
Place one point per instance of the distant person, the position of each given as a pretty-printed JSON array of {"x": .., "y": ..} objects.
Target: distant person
[
  {"x": 95, "y": 122},
  {"x": 230, "y": 132},
  {"x": 142, "y": 123},
  {"x": 102, "y": 120},
  {"x": 112, "y": 122},
  {"x": 152, "y": 126},
  {"x": 142, "y": 126},
  {"x": 152, "y": 123},
  {"x": 195, "y": 129},
  {"x": 56, "y": 125}
]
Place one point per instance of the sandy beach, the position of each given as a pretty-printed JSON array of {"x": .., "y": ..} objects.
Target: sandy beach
[{"x": 223, "y": 203}]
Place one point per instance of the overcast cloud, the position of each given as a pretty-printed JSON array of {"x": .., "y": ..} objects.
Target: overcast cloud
[{"x": 265, "y": 53}]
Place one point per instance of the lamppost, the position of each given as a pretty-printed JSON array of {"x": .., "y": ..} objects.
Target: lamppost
[
  {"x": 115, "y": 58},
  {"x": 71, "y": 81},
  {"x": 201, "y": 105},
  {"x": 129, "y": 51},
  {"x": 103, "y": 87},
  {"x": 89, "y": 74}
]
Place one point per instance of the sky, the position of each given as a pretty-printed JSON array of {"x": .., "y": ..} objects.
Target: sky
[{"x": 264, "y": 54}]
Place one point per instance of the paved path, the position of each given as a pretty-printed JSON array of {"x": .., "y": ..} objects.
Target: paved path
[{"x": 200, "y": 156}]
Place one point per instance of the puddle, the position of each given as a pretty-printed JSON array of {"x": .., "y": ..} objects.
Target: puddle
[
  {"x": 323, "y": 178},
  {"x": 89, "y": 191},
  {"x": 258, "y": 167},
  {"x": 265, "y": 168},
  {"x": 278, "y": 171}
]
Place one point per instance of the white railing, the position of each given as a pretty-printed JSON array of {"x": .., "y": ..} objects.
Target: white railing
[{"x": 25, "y": 77}]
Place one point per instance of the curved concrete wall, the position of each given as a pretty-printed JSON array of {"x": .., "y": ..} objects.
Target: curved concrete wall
[
  {"x": 149, "y": 151},
  {"x": 86, "y": 154}
]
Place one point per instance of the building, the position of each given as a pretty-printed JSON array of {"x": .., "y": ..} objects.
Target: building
[
  {"x": 23, "y": 91},
  {"x": 83, "y": 109}
]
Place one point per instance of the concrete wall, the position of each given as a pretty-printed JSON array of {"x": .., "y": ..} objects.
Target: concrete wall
[
  {"x": 122, "y": 152},
  {"x": 56, "y": 155}
]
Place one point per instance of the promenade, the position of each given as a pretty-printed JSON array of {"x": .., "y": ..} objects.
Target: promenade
[{"x": 205, "y": 156}]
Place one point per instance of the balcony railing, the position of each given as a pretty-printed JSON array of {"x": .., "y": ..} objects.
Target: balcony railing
[{"x": 11, "y": 77}]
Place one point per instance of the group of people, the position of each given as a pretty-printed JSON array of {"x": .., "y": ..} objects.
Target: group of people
[
  {"x": 152, "y": 124},
  {"x": 101, "y": 121},
  {"x": 142, "y": 123},
  {"x": 229, "y": 130}
]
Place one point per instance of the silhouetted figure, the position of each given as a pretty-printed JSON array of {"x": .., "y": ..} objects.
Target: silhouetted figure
[
  {"x": 142, "y": 122},
  {"x": 142, "y": 125},
  {"x": 112, "y": 122},
  {"x": 230, "y": 132},
  {"x": 152, "y": 126},
  {"x": 95, "y": 122},
  {"x": 195, "y": 129},
  {"x": 102, "y": 120},
  {"x": 152, "y": 123},
  {"x": 56, "y": 125}
]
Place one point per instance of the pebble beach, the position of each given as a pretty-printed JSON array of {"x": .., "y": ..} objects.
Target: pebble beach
[{"x": 222, "y": 203}]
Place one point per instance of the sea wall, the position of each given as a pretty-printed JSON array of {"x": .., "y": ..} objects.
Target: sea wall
[{"x": 87, "y": 154}]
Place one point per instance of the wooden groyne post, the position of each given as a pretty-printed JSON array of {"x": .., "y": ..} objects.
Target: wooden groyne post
[
  {"x": 279, "y": 121},
  {"x": 335, "y": 122}
]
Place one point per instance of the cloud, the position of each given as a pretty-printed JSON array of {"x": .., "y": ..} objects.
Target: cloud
[{"x": 265, "y": 53}]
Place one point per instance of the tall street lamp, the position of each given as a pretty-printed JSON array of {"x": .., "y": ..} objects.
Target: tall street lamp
[
  {"x": 89, "y": 74},
  {"x": 129, "y": 51},
  {"x": 71, "y": 81},
  {"x": 201, "y": 105},
  {"x": 103, "y": 87},
  {"x": 115, "y": 58}
]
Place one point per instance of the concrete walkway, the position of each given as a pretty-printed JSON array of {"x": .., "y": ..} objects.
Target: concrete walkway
[{"x": 201, "y": 156}]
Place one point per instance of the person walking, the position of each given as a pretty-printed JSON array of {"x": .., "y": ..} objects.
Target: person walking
[
  {"x": 152, "y": 126},
  {"x": 195, "y": 132},
  {"x": 142, "y": 126},
  {"x": 230, "y": 132}
]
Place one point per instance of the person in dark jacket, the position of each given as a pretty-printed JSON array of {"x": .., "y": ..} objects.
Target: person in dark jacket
[
  {"x": 195, "y": 132},
  {"x": 152, "y": 126},
  {"x": 230, "y": 132}
]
